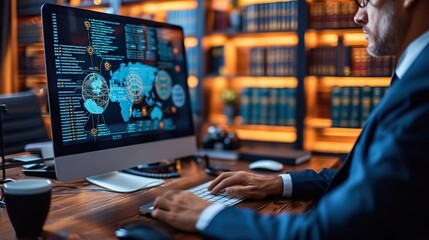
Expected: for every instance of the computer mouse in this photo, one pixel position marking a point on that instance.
(266, 164)
(140, 231)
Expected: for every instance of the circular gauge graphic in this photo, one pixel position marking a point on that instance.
(87, 25)
(95, 93)
(94, 132)
(163, 84)
(90, 50)
(107, 66)
(178, 95)
(134, 85)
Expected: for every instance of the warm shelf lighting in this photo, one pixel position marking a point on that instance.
(315, 38)
(318, 122)
(355, 39)
(214, 40)
(267, 39)
(341, 132)
(289, 82)
(267, 135)
(220, 4)
(75, 2)
(97, 2)
(331, 147)
(192, 81)
(214, 83)
(154, 7)
(191, 42)
(355, 81)
(249, 2)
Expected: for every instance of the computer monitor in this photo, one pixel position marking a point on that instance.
(117, 88)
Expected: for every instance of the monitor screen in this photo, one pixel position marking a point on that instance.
(118, 94)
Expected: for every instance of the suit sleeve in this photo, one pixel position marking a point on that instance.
(309, 184)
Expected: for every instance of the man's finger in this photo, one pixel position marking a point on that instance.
(221, 177)
(227, 182)
(160, 214)
(163, 203)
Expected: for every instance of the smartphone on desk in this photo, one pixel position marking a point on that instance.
(42, 170)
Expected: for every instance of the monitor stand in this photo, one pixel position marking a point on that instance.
(123, 182)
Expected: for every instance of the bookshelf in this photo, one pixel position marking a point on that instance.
(330, 54)
(283, 54)
(260, 66)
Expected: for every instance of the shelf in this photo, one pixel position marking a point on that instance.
(331, 147)
(252, 39)
(251, 81)
(280, 134)
(322, 138)
(330, 81)
(329, 37)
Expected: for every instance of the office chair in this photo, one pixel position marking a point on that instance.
(23, 122)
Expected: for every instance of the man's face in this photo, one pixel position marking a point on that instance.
(382, 26)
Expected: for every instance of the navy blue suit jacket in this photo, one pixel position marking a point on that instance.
(380, 192)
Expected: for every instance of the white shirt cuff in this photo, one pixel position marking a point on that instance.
(207, 215)
(287, 185)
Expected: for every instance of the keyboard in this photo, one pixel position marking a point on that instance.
(202, 192)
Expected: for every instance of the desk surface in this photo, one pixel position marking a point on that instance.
(80, 210)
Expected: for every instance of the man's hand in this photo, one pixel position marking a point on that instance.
(247, 185)
(180, 209)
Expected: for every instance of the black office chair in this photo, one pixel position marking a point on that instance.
(23, 122)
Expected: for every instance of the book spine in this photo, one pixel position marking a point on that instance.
(245, 105)
(376, 96)
(272, 107)
(366, 103)
(264, 99)
(282, 106)
(336, 94)
(254, 106)
(345, 107)
(291, 106)
(355, 115)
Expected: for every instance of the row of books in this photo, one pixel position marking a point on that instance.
(30, 30)
(270, 17)
(348, 61)
(272, 61)
(268, 106)
(31, 7)
(186, 18)
(31, 61)
(351, 105)
(217, 21)
(332, 14)
(216, 61)
(365, 65)
(262, 61)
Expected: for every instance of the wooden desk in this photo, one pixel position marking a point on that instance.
(80, 210)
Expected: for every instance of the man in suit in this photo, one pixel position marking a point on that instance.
(379, 192)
